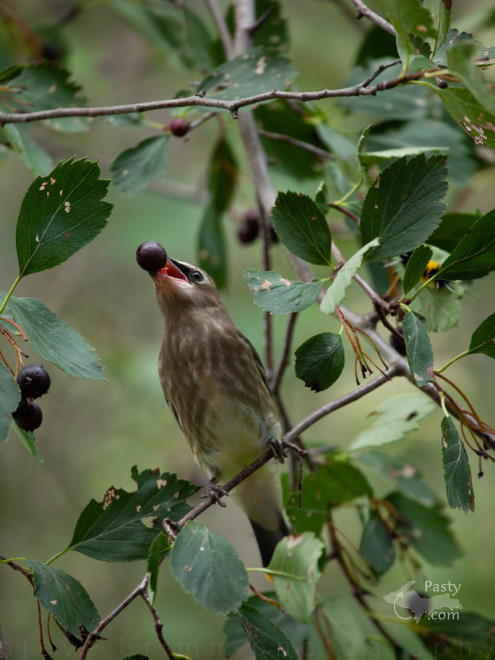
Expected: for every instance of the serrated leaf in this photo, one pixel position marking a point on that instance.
(336, 291)
(452, 229)
(60, 214)
(413, 23)
(457, 473)
(273, 293)
(320, 360)
(135, 168)
(368, 158)
(460, 59)
(267, 641)
(427, 529)
(298, 557)
(159, 547)
(32, 155)
(113, 529)
(400, 103)
(483, 338)
(65, 598)
(325, 487)
(274, 30)
(441, 306)
(477, 123)
(302, 227)
(10, 395)
(350, 628)
(401, 474)
(418, 348)
(416, 266)
(235, 633)
(376, 545)
(209, 568)
(53, 339)
(474, 255)
(45, 87)
(471, 630)
(256, 71)
(403, 207)
(396, 417)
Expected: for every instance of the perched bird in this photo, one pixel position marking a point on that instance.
(214, 382)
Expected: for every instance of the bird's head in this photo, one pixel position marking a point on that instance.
(182, 287)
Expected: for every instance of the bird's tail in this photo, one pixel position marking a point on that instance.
(267, 539)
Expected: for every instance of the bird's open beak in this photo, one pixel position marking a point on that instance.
(171, 271)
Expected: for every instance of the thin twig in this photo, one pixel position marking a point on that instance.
(361, 89)
(158, 625)
(201, 120)
(223, 30)
(281, 137)
(345, 211)
(284, 359)
(364, 10)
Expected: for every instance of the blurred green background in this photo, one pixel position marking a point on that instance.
(94, 432)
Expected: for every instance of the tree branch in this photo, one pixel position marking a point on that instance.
(316, 151)
(284, 360)
(223, 30)
(158, 625)
(361, 89)
(364, 10)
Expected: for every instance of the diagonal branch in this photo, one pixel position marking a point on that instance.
(364, 10)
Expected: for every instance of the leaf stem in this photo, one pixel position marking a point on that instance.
(56, 556)
(9, 293)
(454, 359)
(423, 286)
(291, 576)
(9, 560)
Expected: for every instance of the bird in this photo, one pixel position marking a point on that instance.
(215, 384)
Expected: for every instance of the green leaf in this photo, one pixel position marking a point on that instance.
(33, 156)
(460, 59)
(416, 266)
(235, 633)
(298, 557)
(403, 207)
(209, 568)
(212, 251)
(45, 87)
(10, 395)
(418, 348)
(401, 474)
(350, 628)
(474, 255)
(60, 214)
(126, 120)
(411, 19)
(376, 545)
(457, 473)
(302, 227)
(159, 547)
(470, 631)
(405, 102)
(320, 360)
(483, 339)
(440, 305)
(336, 292)
(368, 158)
(273, 293)
(28, 440)
(478, 123)
(274, 30)
(256, 71)
(266, 640)
(53, 339)
(65, 598)
(452, 229)
(325, 487)
(113, 529)
(427, 530)
(396, 417)
(135, 168)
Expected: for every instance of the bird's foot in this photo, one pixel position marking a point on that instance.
(299, 451)
(171, 528)
(215, 492)
(278, 448)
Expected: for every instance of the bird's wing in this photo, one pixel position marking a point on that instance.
(257, 359)
(174, 410)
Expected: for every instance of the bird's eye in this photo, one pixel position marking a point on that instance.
(196, 276)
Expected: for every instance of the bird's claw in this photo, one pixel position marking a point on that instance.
(215, 492)
(278, 448)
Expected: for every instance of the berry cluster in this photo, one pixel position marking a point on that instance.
(33, 381)
(151, 256)
(249, 228)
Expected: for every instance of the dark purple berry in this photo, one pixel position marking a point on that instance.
(33, 380)
(51, 52)
(249, 228)
(398, 343)
(151, 256)
(179, 127)
(28, 415)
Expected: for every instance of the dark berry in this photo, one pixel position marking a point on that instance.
(51, 52)
(398, 343)
(151, 256)
(249, 228)
(28, 415)
(33, 380)
(179, 127)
